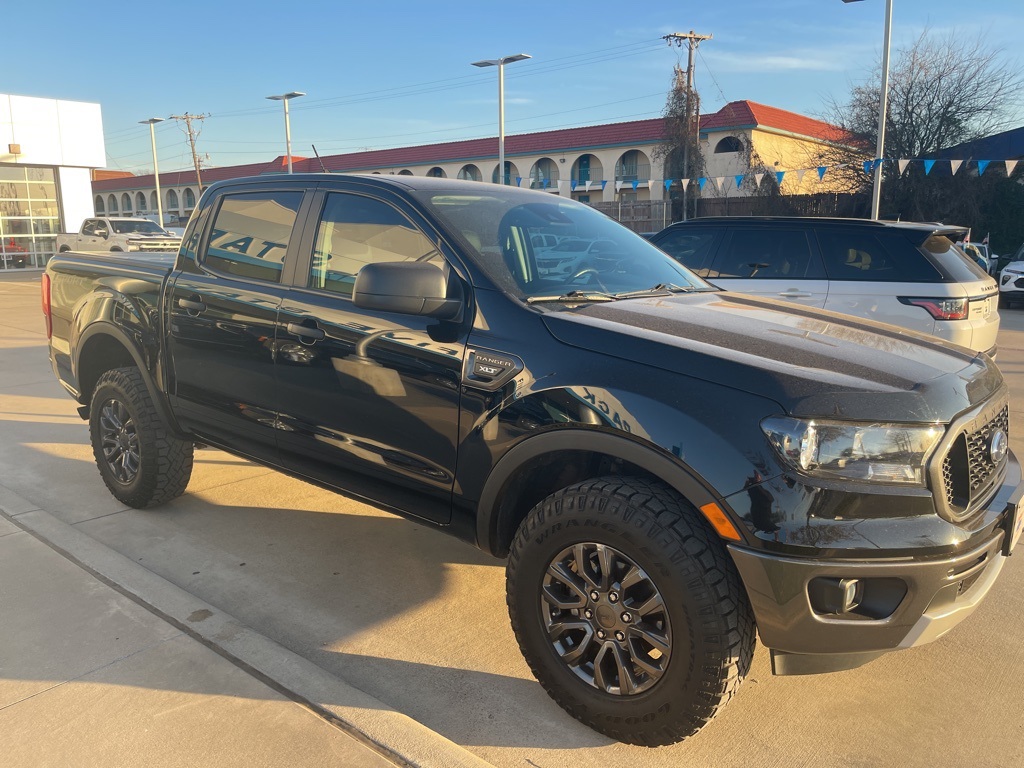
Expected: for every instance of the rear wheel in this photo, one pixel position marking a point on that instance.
(141, 462)
(628, 610)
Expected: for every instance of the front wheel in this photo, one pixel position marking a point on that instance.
(628, 610)
(141, 462)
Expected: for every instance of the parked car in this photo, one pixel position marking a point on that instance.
(572, 256)
(14, 256)
(906, 274)
(118, 234)
(671, 470)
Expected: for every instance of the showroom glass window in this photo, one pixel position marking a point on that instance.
(29, 216)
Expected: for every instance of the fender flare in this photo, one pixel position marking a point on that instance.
(675, 474)
(106, 328)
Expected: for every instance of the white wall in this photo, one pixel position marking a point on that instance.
(51, 132)
(75, 196)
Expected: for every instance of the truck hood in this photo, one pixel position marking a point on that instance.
(814, 363)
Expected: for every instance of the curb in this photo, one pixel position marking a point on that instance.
(395, 736)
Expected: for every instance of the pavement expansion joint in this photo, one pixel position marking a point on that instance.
(393, 735)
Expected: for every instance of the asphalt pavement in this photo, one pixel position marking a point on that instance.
(258, 620)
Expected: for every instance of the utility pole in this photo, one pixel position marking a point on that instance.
(192, 134)
(692, 40)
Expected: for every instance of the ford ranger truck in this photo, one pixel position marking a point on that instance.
(669, 469)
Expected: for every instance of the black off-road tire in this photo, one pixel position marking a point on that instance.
(140, 461)
(656, 532)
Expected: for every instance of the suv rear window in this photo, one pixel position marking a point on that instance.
(952, 260)
(888, 257)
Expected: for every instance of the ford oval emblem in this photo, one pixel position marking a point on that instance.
(997, 446)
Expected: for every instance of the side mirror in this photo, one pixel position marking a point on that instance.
(101, 233)
(411, 288)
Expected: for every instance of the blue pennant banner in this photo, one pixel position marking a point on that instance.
(928, 165)
(821, 171)
(779, 176)
(519, 181)
(982, 165)
(868, 167)
(702, 181)
(603, 183)
(739, 179)
(635, 184)
(572, 184)
(668, 183)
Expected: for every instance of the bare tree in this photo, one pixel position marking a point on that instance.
(943, 91)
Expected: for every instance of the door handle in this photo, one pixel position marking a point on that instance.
(793, 293)
(192, 305)
(306, 332)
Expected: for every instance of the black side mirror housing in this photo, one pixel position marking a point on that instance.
(411, 288)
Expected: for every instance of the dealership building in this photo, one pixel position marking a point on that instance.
(48, 151)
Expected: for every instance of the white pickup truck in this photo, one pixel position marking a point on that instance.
(119, 234)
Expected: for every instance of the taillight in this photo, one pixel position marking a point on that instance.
(45, 288)
(941, 309)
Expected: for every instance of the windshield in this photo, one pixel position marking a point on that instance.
(595, 253)
(136, 227)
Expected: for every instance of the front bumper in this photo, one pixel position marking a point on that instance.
(807, 615)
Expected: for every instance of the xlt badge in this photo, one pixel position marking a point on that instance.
(490, 370)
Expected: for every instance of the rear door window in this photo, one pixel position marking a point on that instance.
(691, 247)
(767, 253)
(250, 233)
(869, 257)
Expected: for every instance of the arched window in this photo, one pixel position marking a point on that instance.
(544, 170)
(152, 200)
(587, 168)
(140, 201)
(99, 205)
(437, 173)
(172, 199)
(190, 198)
(126, 202)
(511, 173)
(633, 166)
(470, 173)
(405, 172)
(111, 203)
(728, 144)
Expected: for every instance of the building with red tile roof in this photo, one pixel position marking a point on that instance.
(615, 161)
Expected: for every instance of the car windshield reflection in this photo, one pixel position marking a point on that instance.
(538, 245)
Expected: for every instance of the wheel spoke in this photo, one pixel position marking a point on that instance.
(624, 666)
(653, 604)
(571, 582)
(580, 554)
(633, 577)
(656, 639)
(604, 557)
(573, 654)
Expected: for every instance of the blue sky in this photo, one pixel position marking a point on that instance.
(397, 73)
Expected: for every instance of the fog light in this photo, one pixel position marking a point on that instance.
(834, 596)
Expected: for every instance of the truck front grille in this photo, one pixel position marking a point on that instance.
(968, 472)
(159, 245)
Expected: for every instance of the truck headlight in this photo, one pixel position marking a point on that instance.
(880, 453)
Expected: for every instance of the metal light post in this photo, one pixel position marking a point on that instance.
(876, 191)
(500, 64)
(286, 97)
(156, 167)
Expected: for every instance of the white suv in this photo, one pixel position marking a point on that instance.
(1011, 280)
(905, 274)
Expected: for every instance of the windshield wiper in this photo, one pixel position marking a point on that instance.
(573, 296)
(660, 288)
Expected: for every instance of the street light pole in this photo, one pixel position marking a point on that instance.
(883, 100)
(286, 97)
(156, 167)
(500, 64)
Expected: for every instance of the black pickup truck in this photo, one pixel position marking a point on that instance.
(666, 466)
